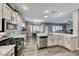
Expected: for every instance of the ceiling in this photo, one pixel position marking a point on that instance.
(56, 12)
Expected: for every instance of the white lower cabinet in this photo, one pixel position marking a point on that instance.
(51, 40)
(11, 53)
(61, 40)
(55, 40)
(65, 41)
(71, 43)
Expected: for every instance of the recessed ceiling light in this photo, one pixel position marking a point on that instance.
(37, 21)
(60, 13)
(45, 16)
(46, 11)
(25, 8)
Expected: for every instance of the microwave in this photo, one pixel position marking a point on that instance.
(8, 25)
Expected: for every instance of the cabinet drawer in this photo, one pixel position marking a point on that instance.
(14, 17)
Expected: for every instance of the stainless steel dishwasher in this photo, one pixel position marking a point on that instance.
(42, 42)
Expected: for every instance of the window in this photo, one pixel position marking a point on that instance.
(53, 28)
(41, 28)
(37, 28)
(46, 29)
(34, 28)
(56, 28)
(31, 28)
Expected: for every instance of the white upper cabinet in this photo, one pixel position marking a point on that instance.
(14, 17)
(6, 12)
(19, 22)
(0, 17)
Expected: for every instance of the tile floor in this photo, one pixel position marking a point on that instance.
(31, 50)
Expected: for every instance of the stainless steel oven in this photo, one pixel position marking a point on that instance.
(19, 42)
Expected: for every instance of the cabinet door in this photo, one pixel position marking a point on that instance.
(56, 39)
(6, 12)
(0, 17)
(50, 40)
(14, 19)
(19, 22)
(74, 43)
(67, 42)
(61, 40)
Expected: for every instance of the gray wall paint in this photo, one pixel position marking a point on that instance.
(48, 27)
(68, 27)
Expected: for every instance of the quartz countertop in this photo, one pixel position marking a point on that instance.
(19, 36)
(4, 50)
(42, 34)
(63, 34)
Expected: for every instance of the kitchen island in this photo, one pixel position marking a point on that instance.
(68, 41)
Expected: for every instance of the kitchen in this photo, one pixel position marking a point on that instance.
(24, 31)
